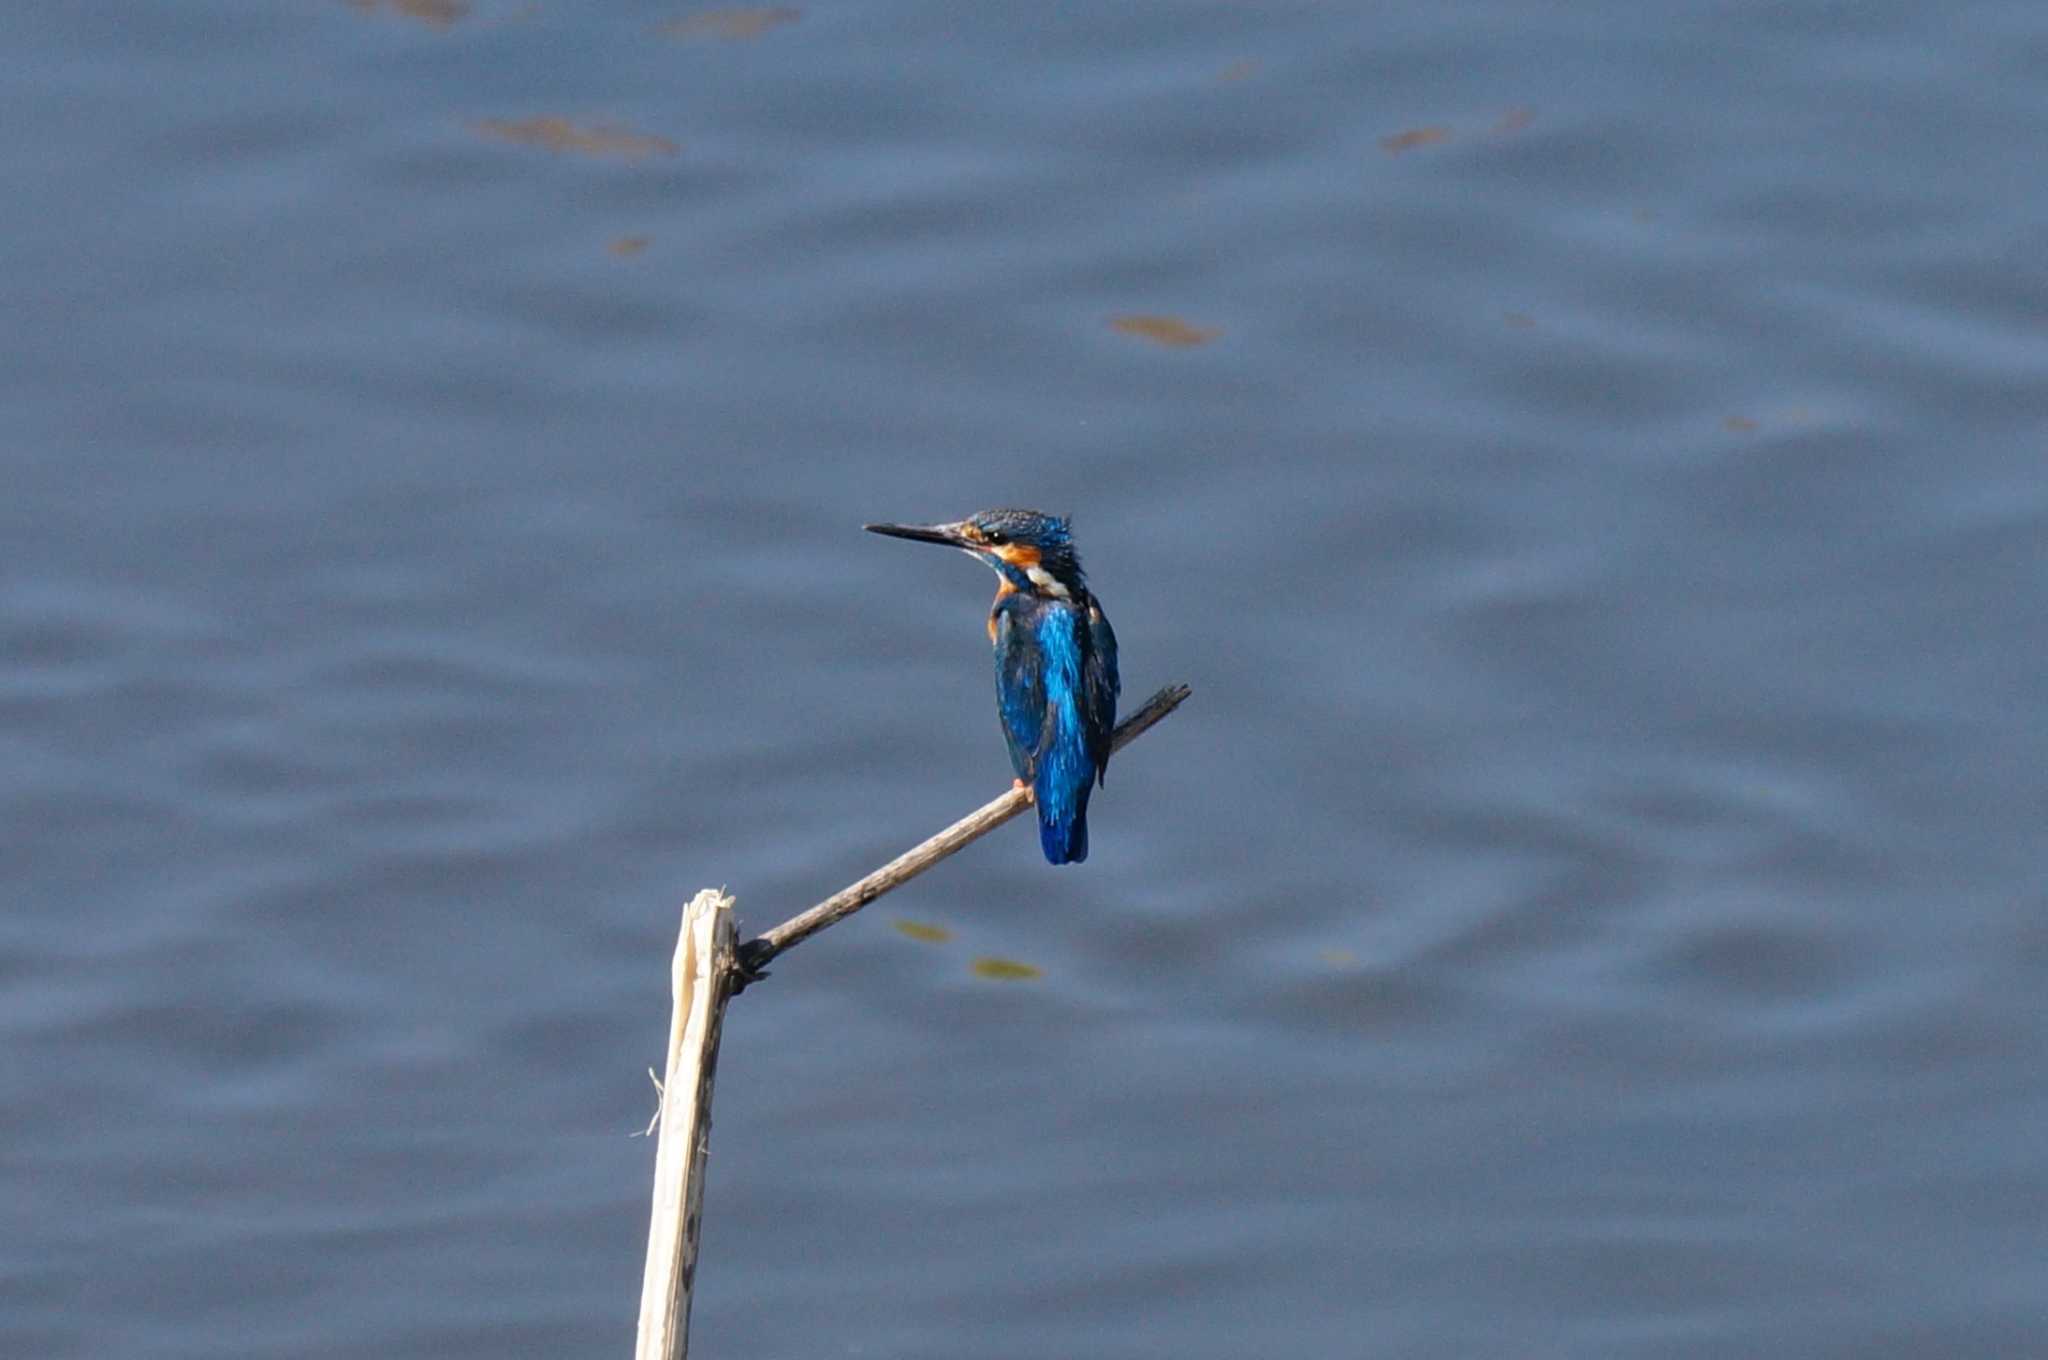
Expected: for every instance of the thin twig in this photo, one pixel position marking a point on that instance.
(755, 954)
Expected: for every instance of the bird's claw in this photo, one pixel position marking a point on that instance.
(750, 963)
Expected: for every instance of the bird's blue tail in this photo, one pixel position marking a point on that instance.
(1066, 776)
(1065, 839)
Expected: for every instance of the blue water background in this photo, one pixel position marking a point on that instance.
(1587, 459)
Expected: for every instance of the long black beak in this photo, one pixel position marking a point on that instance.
(947, 534)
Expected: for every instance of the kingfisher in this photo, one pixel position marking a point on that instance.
(1056, 682)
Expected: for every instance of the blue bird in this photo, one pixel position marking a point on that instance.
(1056, 683)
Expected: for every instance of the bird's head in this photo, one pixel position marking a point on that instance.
(1032, 552)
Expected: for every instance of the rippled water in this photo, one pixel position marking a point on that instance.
(1588, 464)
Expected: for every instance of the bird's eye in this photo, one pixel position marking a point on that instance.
(995, 538)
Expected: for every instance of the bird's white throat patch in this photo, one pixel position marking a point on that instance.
(1045, 581)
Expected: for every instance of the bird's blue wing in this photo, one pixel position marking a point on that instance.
(1056, 687)
(1020, 690)
(1099, 687)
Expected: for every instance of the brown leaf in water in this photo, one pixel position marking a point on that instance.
(439, 13)
(1164, 330)
(559, 135)
(1739, 424)
(628, 245)
(733, 25)
(1414, 137)
(1239, 71)
(1514, 120)
(1521, 321)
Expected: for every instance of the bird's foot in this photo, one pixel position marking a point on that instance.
(1016, 784)
(750, 962)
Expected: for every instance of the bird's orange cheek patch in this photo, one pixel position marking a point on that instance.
(1019, 555)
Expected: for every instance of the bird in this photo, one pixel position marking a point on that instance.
(1055, 654)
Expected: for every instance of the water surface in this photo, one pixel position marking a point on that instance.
(1587, 464)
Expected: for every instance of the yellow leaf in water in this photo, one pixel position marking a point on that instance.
(1414, 137)
(917, 930)
(1005, 970)
(559, 134)
(1739, 424)
(628, 245)
(732, 24)
(1164, 330)
(1337, 958)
